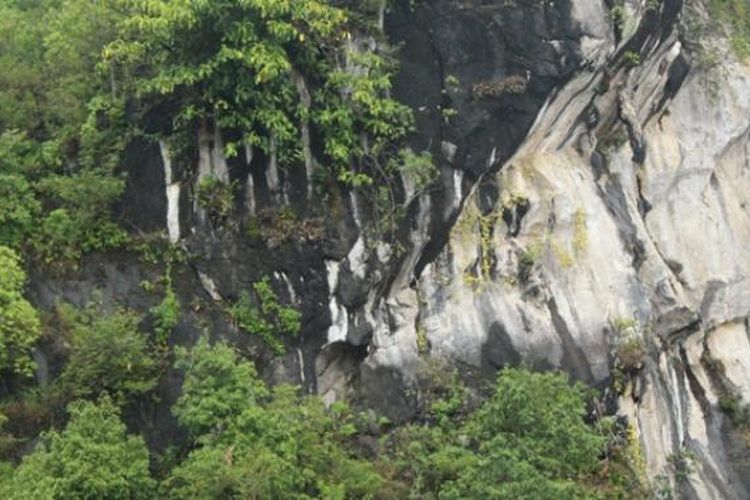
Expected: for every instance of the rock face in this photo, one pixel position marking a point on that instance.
(661, 246)
(621, 220)
(591, 215)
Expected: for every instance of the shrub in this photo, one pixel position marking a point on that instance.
(270, 321)
(167, 313)
(108, 355)
(215, 197)
(419, 168)
(730, 402)
(80, 223)
(629, 347)
(19, 322)
(631, 58)
(64, 236)
(630, 354)
(279, 226)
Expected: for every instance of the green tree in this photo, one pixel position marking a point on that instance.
(296, 67)
(527, 440)
(19, 322)
(93, 457)
(108, 355)
(256, 443)
(218, 386)
(62, 129)
(540, 415)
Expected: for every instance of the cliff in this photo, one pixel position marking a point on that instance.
(590, 215)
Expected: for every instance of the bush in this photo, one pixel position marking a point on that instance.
(108, 355)
(631, 58)
(279, 226)
(527, 440)
(80, 224)
(271, 321)
(731, 404)
(418, 168)
(630, 354)
(19, 322)
(215, 197)
(167, 313)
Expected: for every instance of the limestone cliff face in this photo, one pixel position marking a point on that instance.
(620, 222)
(591, 215)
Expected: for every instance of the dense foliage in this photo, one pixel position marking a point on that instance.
(252, 442)
(270, 320)
(61, 133)
(93, 457)
(108, 355)
(192, 52)
(527, 440)
(19, 322)
(302, 80)
(531, 434)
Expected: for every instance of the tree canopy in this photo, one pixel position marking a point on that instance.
(261, 68)
(94, 457)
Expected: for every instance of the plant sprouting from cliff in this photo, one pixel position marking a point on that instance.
(416, 171)
(167, 313)
(451, 82)
(216, 198)
(681, 463)
(631, 58)
(269, 319)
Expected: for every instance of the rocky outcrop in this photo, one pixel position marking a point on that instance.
(622, 217)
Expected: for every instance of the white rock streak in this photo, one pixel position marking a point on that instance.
(339, 317)
(173, 195)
